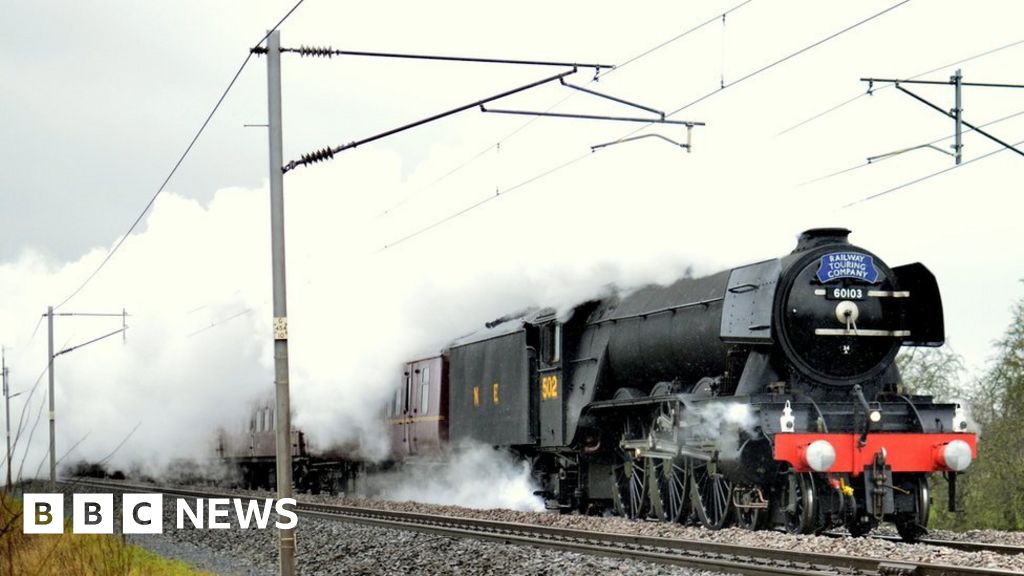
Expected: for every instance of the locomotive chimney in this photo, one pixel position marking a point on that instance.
(820, 236)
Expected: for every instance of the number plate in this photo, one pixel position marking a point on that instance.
(845, 293)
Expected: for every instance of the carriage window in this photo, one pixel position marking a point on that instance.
(424, 394)
(551, 343)
(397, 408)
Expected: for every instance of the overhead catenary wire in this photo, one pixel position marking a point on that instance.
(26, 406)
(181, 159)
(329, 52)
(67, 453)
(928, 176)
(771, 65)
(121, 444)
(790, 56)
(219, 322)
(909, 148)
(915, 76)
(24, 348)
(718, 16)
(26, 401)
(574, 160)
(487, 199)
(680, 36)
(32, 433)
(328, 153)
(959, 119)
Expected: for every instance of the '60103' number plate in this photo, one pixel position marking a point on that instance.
(845, 293)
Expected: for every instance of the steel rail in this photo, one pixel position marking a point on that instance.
(681, 552)
(964, 545)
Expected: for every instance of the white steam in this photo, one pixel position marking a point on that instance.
(720, 423)
(964, 406)
(473, 476)
(195, 281)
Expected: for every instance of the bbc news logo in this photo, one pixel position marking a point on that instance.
(143, 513)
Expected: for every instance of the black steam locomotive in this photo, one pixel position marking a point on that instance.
(766, 395)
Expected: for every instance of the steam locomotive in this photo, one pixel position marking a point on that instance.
(766, 395)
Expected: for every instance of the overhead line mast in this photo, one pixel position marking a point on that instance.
(52, 355)
(956, 81)
(273, 50)
(283, 466)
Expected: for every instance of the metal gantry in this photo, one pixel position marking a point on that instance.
(273, 51)
(956, 114)
(329, 152)
(52, 355)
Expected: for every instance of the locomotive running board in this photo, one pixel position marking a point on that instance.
(661, 449)
(640, 401)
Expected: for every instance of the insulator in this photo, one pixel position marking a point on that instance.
(318, 156)
(318, 51)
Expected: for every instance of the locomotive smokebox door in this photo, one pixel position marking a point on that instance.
(549, 382)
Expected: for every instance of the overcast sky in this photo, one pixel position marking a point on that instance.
(100, 98)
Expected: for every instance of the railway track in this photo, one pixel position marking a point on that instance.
(966, 546)
(704, 555)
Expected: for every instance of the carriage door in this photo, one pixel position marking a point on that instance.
(407, 405)
(549, 372)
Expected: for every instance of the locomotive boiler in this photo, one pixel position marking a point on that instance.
(766, 395)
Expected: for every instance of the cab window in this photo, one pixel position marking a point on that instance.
(551, 343)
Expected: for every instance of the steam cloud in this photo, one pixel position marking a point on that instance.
(721, 422)
(473, 476)
(195, 281)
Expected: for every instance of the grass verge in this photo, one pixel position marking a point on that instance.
(75, 554)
